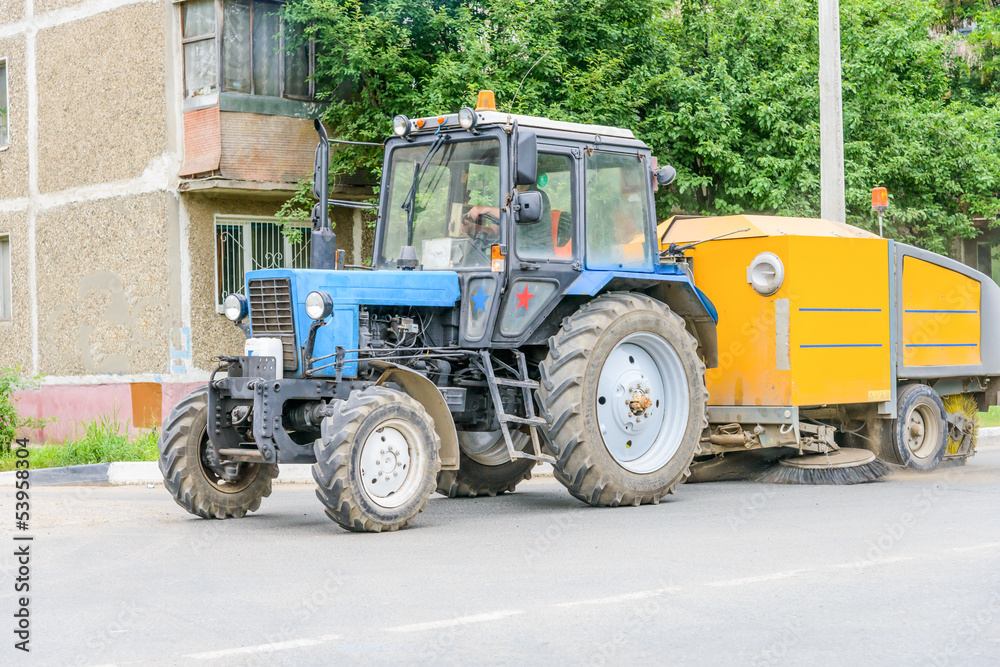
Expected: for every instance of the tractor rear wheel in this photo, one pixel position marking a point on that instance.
(197, 483)
(376, 460)
(623, 390)
(485, 469)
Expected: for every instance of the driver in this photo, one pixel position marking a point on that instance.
(534, 238)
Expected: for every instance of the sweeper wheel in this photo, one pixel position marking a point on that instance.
(844, 466)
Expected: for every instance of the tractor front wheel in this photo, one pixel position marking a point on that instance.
(623, 390)
(198, 483)
(377, 460)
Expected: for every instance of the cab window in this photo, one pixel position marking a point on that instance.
(617, 212)
(551, 238)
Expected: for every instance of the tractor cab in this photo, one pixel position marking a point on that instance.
(524, 210)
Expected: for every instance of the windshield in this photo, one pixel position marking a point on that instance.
(456, 206)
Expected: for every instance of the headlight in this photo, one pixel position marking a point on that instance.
(467, 118)
(401, 125)
(235, 307)
(766, 273)
(318, 305)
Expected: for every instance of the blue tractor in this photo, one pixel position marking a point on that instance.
(518, 309)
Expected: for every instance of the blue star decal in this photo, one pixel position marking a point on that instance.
(479, 300)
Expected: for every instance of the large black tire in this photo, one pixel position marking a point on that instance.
(920, 430)
(474, 479)
(191, 481)
(338, 469)
(570, 376)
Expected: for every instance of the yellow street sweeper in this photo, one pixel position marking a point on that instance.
(842, 347)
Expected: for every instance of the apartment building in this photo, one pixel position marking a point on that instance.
(145, 148)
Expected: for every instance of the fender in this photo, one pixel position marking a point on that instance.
(673, 286)
(426, 393)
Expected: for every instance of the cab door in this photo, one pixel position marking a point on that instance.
(543, 257)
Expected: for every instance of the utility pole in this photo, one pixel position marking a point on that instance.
(831, 121)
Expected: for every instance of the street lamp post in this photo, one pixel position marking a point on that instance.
(831, 122)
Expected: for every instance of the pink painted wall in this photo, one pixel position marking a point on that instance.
(73, 405)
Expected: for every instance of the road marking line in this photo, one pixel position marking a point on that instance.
(638, 595)
(994, 545)
(262, 648)
(876, 561)
(462, 620)
(755, 580)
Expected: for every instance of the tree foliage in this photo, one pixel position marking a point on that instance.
(725, 90)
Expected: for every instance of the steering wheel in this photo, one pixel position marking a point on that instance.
(481, 222)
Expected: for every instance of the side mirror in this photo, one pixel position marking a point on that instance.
(527, 158)
(529, 207)
(666, 175)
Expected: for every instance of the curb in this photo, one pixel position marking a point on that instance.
(989, 437)
(148, 472)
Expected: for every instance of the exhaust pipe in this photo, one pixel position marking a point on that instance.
(323, 244)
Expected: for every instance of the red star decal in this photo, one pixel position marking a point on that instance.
(523, 298)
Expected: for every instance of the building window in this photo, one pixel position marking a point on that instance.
(253, 58)
(198, 36)
(4, 115)
(250, 244)
(5, 278)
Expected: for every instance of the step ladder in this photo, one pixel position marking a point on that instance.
(530, 419)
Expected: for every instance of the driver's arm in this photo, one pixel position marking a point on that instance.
(470, 221)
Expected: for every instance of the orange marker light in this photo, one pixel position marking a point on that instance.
(419, 122)
(497, 260)
(486, 101)
(880, 199)
(441, 120)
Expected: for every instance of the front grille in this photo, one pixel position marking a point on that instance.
(271, 315)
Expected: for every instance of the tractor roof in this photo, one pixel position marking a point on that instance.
(687, 229)
(430, 124)
(497, 117)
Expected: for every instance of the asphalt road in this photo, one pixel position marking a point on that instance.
(906, 571)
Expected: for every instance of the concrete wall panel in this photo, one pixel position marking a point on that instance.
(14, 158)
(101, 97)
(11, 11)
(42, 6)
(104, 299)
(15, 334)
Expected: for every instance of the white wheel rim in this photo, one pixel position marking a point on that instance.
(390, 463)
(643, 402)
(922, 434)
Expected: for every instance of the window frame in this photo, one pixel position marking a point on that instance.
(385, 196)
(652, 241)
(220, 49)
(246, 222)
(575, 209)
(217, 35)
(4, 62)
(6, 279)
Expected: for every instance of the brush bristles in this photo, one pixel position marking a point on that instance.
(869, 472)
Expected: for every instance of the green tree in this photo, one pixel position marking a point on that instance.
(12, 380)
(725, 90)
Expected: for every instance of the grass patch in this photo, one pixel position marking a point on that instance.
(991, 418)
(105, 441)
